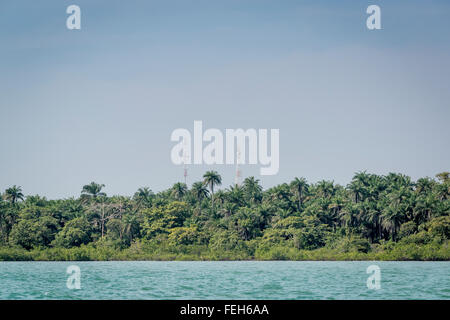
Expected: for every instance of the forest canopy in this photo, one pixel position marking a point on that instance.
(378, 217)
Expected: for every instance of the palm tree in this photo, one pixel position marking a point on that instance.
(236, 195)
(220, 197)
(325, 188)
(358, 185)
(212, 178)
(424, 207)
(93, 190)
(229, 208)
(443, 188)
(392, 220)
(373, 218)
(252, 189)
(199, 191)
(424, 185)
(143, 196)
(336, 205)
(443, 176)
(130, 227)
(283, 213)
(348, 216)
(300, 186)
(144, 192)
(280, 192)
(14, 194)
(179, 190)
(394, 214)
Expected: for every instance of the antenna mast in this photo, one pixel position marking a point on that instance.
(237, 179)
(185, 157)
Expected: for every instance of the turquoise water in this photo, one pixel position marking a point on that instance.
(225, 280)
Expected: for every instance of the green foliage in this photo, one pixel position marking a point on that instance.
(75, 233)
(312, 235)
(159, 220)
(440, 227)
(226, 240)
(185, 236)
(374, 217)
(407, 229)
(353, 243)
(34, 232)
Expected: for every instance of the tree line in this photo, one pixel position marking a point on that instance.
(374, 216)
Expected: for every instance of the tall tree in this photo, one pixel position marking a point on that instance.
(252, 190)
(199, 191)
(395, 213)
(14, 194)
(212, 179)
(93, 190)
(300, 187)
(179, 190)
(143, 196)
(325, 188)
(358, 185)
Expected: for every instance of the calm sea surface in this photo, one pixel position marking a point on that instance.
(225, 280)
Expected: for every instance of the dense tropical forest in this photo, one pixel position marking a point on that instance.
(373, 217)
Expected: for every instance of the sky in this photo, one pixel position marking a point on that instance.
(100, 103)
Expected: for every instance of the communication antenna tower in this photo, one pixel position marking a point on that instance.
(237, 179)
(185, 157)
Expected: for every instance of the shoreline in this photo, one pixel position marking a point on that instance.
(224, 260)
(89, 253)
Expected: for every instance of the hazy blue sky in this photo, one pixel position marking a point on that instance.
(99, 104)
